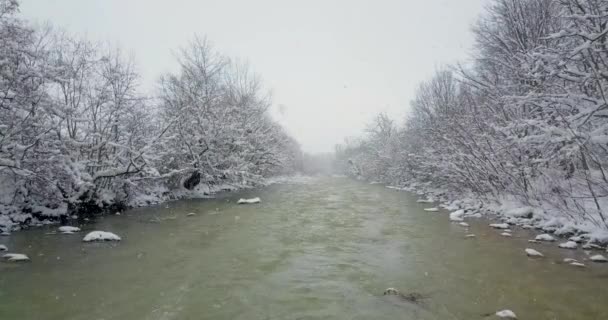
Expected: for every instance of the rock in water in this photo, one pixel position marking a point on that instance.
(568, 245)
(598, 258)
(470, 236)
(3, 247)
(533, 253)
(544, 237)
(68, 229)
(464, 224)
(506, 234)
(506, 314)
(15, 257)
(431, 209)
(456, 216)
(249, 201)
(100, 236)
(191, 214)
(499, 225)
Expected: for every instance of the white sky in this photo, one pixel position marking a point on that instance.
(332, 65)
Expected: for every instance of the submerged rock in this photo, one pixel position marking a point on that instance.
(100, 236)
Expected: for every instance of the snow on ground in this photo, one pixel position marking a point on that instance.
(568, 245)
(100, 236)
(68, 229)
(15, 257)
(506, 314)
(431, 209)
(249, 201)
(533, 253)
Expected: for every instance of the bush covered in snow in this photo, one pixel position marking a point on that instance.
(78, 136)
(526, 122)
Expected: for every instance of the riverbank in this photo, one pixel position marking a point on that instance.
(513, 212)
(14, 219)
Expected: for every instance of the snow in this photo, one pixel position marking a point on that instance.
(568, 245)
(431, 209)
(457, 215)
(506, 234)
(464, 224)
(598, 258)
(100, 236)
(544, 237)
(16, 257)
(425, 200)
(3, 248)
(507, 314)
(521, 212)
(568, 260)
(249, 201)
(68, 229)
(533, 253)
(499, 225)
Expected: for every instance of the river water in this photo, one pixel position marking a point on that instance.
(319, 248)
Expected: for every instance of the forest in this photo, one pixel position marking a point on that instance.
(78, 136)
(524, 122)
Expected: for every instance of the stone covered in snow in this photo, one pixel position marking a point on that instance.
(506, 234)
(15, 257)
(100, 236)
(577, 264)
(499, 225)
(464, 224)
(68, 229)
(190, 214)
(457, 215)
(470, 236)
(431, 209)
(544, 237)
(3, 247)
(506, 314)
(533, 253)
(598, 258)
(425, 201)
(568, 245)
(249, 201)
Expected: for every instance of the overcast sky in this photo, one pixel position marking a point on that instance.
(331, 64)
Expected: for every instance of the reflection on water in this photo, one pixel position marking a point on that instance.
(325, 249)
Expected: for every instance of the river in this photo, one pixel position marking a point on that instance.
(319, 248)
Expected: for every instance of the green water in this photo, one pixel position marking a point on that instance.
(325, 249)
